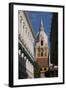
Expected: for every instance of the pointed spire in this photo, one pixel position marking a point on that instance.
(41, 22)
(42, 26)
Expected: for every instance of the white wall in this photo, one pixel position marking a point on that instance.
(4, 45)
(29, 69)
(24, 35)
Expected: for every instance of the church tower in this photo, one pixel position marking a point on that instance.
(41, 50)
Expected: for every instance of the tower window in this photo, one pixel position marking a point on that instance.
(45, 53)
(41, 42)
(41, 53)
(38, 50)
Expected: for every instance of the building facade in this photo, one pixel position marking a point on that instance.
(41, 50)
(26, 39)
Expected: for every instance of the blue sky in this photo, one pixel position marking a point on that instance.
(35, 18)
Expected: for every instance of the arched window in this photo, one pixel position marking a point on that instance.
(45, 53)
(41, 51)
(41, 42)
(38, 49)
